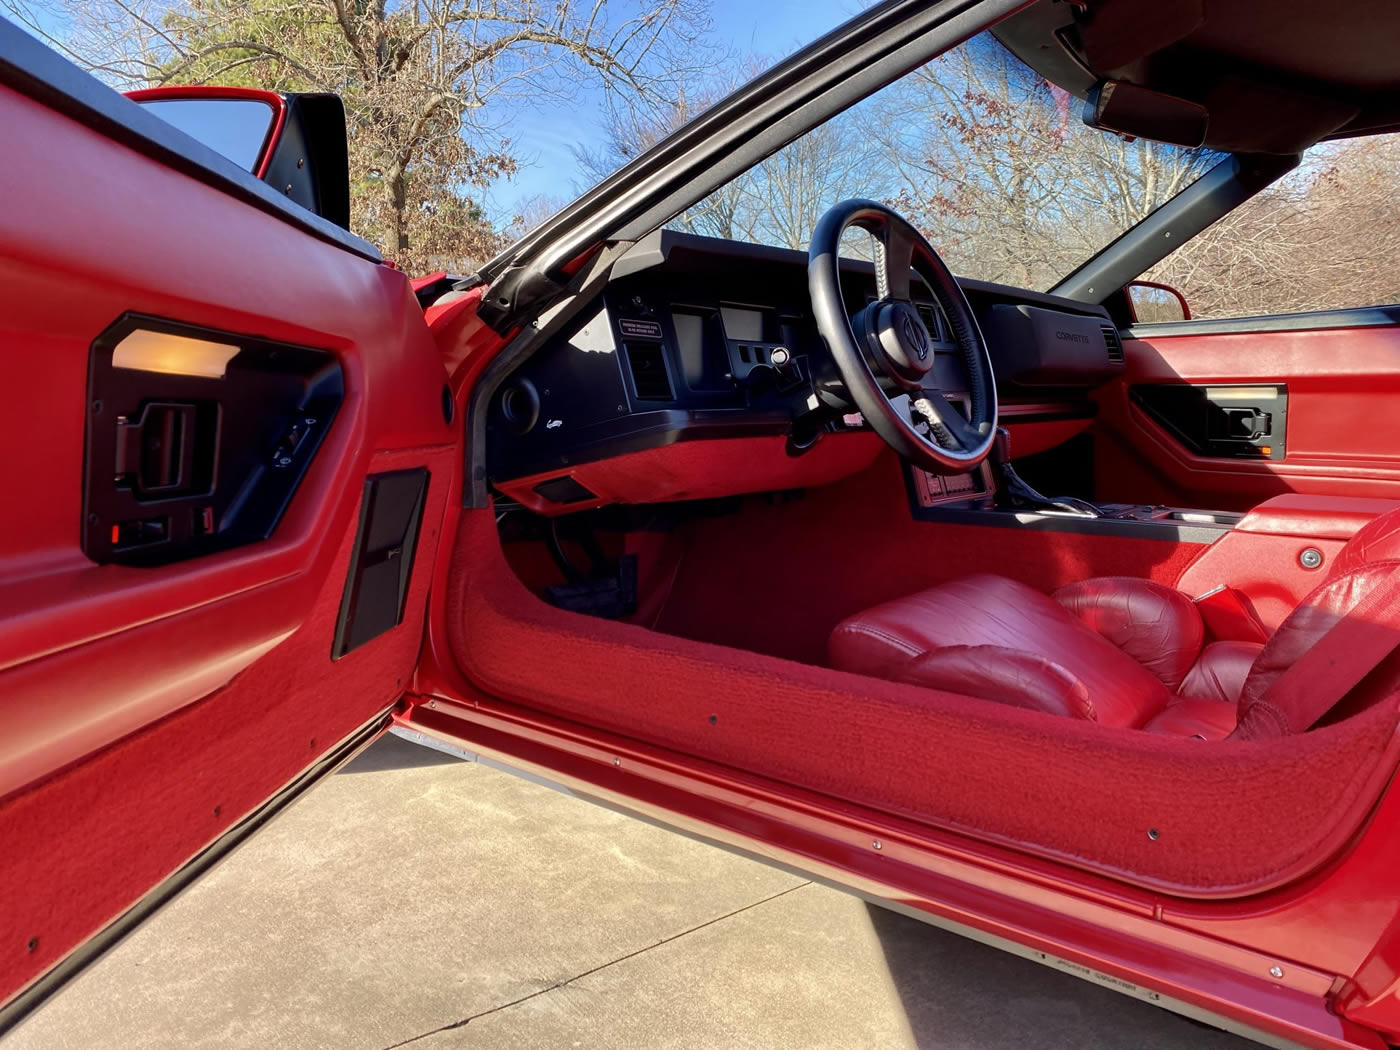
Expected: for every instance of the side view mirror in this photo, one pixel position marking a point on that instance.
(295, 142)
(1151, 302)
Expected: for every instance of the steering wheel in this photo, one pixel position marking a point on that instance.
(885, 354)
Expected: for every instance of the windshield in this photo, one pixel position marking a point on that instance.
(987, 158)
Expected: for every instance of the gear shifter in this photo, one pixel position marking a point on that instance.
(1014, 493)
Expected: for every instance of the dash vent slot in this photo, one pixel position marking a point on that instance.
(1114, 344)
(930, 319)
(650, 380)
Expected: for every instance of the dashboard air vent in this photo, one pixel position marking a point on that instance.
(648, 367)
(1114, 344)
(930, 319)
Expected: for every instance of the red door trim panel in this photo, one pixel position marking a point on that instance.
(144, 712)
(89, 840)
(40, 991)
(89, 653)
(1343, 396)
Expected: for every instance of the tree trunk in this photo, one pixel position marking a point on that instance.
(398, 208)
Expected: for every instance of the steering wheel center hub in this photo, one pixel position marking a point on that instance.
(898, 335)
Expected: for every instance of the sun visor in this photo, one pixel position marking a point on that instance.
(1116, 35)
(1295, 120)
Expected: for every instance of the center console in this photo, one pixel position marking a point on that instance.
(1257, 567)
(971, 499)
(995, 494)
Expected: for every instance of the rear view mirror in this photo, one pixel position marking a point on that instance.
(1117, 106)
(294, 142)
(1151, 302)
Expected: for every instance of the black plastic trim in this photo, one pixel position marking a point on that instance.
(973, 514)
(1201, 417)
(90, 951)
(35, 70)
(259, 426)
(1355, 317)
(310, 160)
(564, 490)
(381, 566)
(661, 247)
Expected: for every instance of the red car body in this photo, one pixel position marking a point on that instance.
(153, 716)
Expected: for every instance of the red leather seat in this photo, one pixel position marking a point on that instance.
(1123, 651)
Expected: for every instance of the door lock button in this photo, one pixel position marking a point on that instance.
(140, 532)
(292, 439)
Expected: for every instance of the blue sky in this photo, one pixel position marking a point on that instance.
(545, 137)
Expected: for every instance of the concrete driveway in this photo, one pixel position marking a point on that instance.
(416, 900)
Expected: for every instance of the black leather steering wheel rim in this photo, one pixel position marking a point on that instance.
(887, 340)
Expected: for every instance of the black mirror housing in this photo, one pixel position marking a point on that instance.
(309, 159)
(1127, 109)
(298, 146)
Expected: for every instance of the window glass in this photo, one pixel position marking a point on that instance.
(235, 127)
(1324, 237)
(992, 162)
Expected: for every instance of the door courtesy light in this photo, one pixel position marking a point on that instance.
(176, 355)
(1240, 393)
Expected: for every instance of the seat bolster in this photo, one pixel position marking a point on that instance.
(1008, 676)
(874, 645)
(1198, 719)
(1004, 616)
(1377, 541)
(1221, 671)
(1157, 626)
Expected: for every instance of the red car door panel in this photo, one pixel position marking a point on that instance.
(1343, 387)
(146, 711)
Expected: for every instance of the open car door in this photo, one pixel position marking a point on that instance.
(228, 458)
